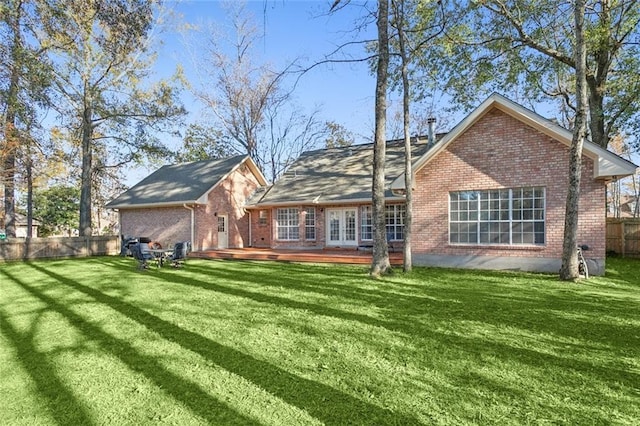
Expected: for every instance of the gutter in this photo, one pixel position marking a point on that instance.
(151, 205)
(319, 204)
(193, 221)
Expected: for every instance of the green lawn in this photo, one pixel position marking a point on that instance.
(94, 341)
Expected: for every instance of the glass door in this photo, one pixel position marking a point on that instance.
(342, 229)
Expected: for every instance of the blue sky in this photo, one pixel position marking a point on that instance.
(293, 29)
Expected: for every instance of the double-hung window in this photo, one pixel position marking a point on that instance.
(310, 223)
(262, 217)
(288, 224)
(366, 223)
(503, 216)
(394, 220)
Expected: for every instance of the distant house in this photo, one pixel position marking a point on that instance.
(626, 207)
(489, 194)
(202, 202)
(21, 225)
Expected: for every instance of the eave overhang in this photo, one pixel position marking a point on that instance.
(607, 165)
(313, 202)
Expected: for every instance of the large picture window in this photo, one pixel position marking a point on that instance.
(502, 216)
(288, 224)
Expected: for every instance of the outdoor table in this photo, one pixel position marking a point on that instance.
(160, 255)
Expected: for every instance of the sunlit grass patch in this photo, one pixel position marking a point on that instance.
(94, 341)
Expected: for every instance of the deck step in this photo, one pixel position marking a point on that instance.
(313, 256)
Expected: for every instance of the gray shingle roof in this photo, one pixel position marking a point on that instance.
(177, 184)
(335, 175)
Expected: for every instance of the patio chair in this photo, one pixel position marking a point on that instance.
(180, 251)
(141, 256)
(125, 245)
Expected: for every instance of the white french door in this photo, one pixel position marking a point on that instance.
(342, 229)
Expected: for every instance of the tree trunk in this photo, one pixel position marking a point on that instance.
(597, 124)
(87, 172)
(569, 269)
(408, 173)
(29, 172)
(11, 138)
(380, 262)
(9, 177)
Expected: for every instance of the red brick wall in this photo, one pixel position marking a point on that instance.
(270, 233)
(260, 233)
(266, 235)
(501, 152)
(228, 198)
(173, 224)
(164, 225)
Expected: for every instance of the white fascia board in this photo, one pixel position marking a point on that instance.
(153, 205)
(607, 164)
(323, 203)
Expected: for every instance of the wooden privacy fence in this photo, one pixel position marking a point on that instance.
(39, 248)
(623, 236)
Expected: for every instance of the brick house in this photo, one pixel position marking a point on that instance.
(489, 194)
(201, 202)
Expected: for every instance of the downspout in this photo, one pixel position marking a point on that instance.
(193, 220)
(120, 234)
(250, 237)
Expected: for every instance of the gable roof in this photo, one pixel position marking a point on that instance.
(607, 165)
(178, 184)
(335, 175)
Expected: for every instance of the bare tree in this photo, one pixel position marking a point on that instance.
(251, 102)
(288, 135)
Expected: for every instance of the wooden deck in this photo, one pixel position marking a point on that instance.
(313, 256)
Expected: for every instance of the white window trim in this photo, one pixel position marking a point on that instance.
(363, 216)
(290, 210)
(397, 216)
(511, 220)
(307, 226)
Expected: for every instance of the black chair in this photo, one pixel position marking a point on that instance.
(180, 251)
(125, 245)
(140, 256)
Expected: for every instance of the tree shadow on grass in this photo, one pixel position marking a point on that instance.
(189, 394)
(478, 304)
(482, 309)
(323, 402)
(61, 403)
